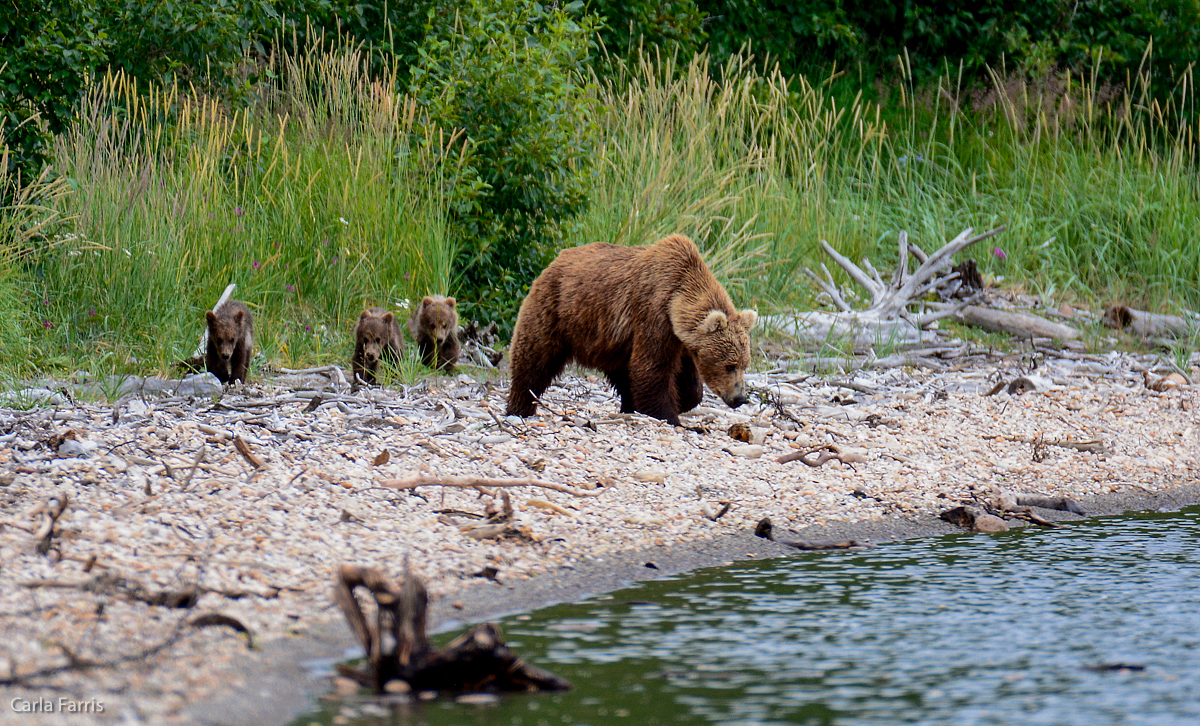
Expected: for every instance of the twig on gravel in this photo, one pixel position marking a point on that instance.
(773, 399)
(187, 481)
(829, 452)
(51, 508)
(1096, 446)
(244, 449)
(471, 482)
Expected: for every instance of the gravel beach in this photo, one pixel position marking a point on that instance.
(244, 504)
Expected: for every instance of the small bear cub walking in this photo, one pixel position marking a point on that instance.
(230, 338)
(434, 325)
(376, 337)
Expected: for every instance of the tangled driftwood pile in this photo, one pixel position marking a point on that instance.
(898, 316)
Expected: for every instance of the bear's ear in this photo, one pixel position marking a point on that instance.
(451, 301)
(427, 301)
(388, 318)
(239, 317)
(715, 322)
(210, 316)
(365, 314)
(749, 318)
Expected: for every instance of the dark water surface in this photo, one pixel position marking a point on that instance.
(963, 629)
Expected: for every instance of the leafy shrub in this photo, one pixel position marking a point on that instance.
(510, 76)
(1038, 37)
(671, 27)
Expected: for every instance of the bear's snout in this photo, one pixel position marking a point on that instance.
(737, 400)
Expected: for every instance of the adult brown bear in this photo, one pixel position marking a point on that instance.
(653, 319)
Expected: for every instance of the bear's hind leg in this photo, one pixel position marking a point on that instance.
(620, 381)
(532, 373)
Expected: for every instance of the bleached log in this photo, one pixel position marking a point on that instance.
(1021, 325)
(1148, 325)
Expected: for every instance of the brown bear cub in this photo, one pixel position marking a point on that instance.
(230, 338)
(653, 319)
(434, 325)
(376, 337)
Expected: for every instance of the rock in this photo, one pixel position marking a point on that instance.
(345, 686)
(397, 685)
(655, 475)
(989, 523)
(31, 398)
(74, 448)
(747, 451)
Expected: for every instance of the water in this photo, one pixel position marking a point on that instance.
(962, 629)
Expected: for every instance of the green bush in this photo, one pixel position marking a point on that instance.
(510, 76)
(669, 27)
(1035, 37)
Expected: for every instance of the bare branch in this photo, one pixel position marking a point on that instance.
(470, 482)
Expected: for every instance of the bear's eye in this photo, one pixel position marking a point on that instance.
(730, 368)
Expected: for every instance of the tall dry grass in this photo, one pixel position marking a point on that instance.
(325, 195)
(320, 198)
(1097, 184)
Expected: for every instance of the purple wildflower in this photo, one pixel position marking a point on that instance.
(239, 211)
(406, 276)
(91, 312)
(307, 329)
(47, 324)
(290, 288)
(335, 260)
(256, 265)
(999, 253)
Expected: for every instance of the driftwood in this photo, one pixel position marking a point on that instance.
(398, 649)
(1148, 325)
(111, 584)
(766, 530)
(989, 517)
(244, 449)
(1021, 325)
(886, 320)
(51, 508)
(474, 482)
(828, 452)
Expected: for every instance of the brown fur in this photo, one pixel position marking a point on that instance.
(434, 325)
(230, 340)
(653, 319)
(376, 337)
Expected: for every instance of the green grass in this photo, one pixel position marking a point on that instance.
(316, 202)
(325, 197)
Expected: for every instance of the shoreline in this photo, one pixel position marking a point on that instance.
(287, 680)
(162, 494)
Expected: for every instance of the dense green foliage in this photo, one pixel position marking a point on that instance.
(1037, 37)
(326, 155)
(510, 74)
